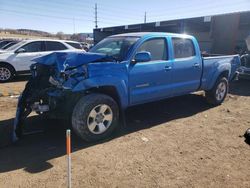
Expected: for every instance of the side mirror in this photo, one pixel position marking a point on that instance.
(20, 50)
(142, 57)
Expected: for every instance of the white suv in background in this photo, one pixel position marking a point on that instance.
(17, 59)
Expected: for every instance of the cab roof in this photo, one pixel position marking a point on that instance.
(149, 34)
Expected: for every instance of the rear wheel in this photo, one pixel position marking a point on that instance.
(219, 92)
(95, 117)
(6, 73)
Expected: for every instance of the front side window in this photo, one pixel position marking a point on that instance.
(16, 46)
(54, 46)
(157, 48)
(33, 47)
(183, 48)
(116, 47)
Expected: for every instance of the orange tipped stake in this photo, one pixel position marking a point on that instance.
(68, 150)
(68, 142)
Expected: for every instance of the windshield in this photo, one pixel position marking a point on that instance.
(116, 47)
(17, 45)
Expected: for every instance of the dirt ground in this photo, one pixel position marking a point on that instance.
(179, 142)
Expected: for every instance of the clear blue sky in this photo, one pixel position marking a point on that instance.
(71, 16)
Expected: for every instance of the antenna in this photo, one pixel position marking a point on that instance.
(145, 17)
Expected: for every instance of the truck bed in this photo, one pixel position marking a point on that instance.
(211, 66)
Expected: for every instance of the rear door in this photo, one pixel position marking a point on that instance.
(51, 46)
(150, 81)
(187, 66)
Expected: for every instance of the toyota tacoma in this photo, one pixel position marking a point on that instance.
(93, 89)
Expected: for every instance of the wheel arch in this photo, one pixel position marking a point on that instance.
(224, 73)
(5, 63)
(107, 90)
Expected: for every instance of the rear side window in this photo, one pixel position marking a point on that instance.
(183, 48)
(54, 46)
(33, 47)
(157, 48)
(75, 45)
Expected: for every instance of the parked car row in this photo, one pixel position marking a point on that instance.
(17, 58)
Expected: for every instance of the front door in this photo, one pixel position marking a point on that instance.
(32, 50)
(150, 81)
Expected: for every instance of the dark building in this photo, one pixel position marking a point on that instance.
(220, 34)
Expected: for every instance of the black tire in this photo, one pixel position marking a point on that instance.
(9, 69)
(211, 95)
(81, 112)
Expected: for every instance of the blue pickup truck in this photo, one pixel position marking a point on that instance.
(93, 89)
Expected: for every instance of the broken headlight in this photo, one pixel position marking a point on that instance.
(76, 72)
(55, 82)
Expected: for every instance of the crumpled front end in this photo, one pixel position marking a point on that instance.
(53, 78)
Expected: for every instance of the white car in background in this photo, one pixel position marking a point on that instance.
(18, 58)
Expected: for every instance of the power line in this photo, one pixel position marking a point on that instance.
(208, 6)
(107, 8)
(48, 16)
(42, 15)
(69, 20)
(41, 8)
(82, 6)
(106, 16)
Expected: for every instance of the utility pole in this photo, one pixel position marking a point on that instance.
(74, 25)
(145, 17)
(96, 26)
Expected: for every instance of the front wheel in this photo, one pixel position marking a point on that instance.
(95, 117)
(219, 92)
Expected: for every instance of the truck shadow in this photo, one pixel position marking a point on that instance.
(240, 87)
(33, 152)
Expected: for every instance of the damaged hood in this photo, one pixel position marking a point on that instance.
(65, 60)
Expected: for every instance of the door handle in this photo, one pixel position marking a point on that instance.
(168, 68)
(196, 65)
